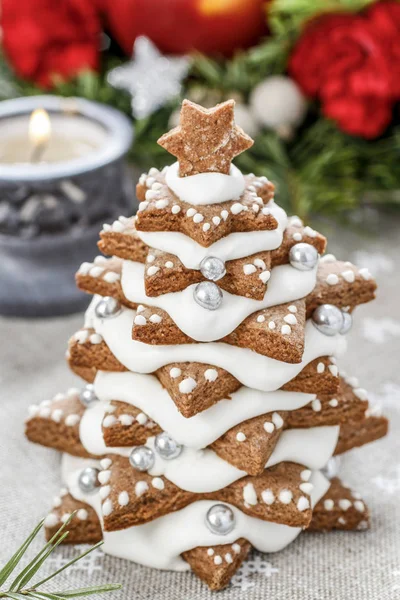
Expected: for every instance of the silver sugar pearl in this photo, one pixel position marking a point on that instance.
(328, 319)
(166, 446)
(347, 323)
(107, 307)
(220, 519)
(332, 467)
(87, 396)
(88, 480)
(212, 268)
(303, 257)
(142, 458)
(208, 295)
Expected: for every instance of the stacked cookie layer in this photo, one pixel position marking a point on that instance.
(213, 399)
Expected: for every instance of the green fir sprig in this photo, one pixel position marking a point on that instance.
(22, 588)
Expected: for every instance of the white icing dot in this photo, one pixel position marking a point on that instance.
(105, 463)
(269, 427)
(109, 421)
(316, 405)
(191, 212)
(358, 505)
(320, 367)
(264, 276)
(285, 496)
(271, 325)
(175, 372)
(175, 209)
(342, 521)
(104, 476)
(217, 559)
(155, 319)
(258, 262)
(240, 436)
(169, 264)
(236, 548)
(96, 271)
(255, 207)
(344, 504)
(216, 220)
(224, 214)
(295, 221)
(310, 232)
(82, 514)
(95, 338)
(150, 181)
(72, 420)
(306, 487)
(292, 308)
(141, 487)
(65, 517)
(57, 414)
(349, 276)
(57, 501)
(333, 370)
(126, 420)
(117, 226)
(187, 385)
(210, 374)
(150, 195)
(361, 393)
(140, 320)
(297, 236)
(266, 211)
(63, 492)
(111, 277)
(365, 274)
(81, 336)
(260, 319)
(328, 258)
(210, 551)
(107, 507)
(141, 418)
(291, 319)
(285, 329)
(109, 408)
(237, 208)
(228, 558)
(143, 205)
(198, 218)
(268, 497)
(104, 492)
(44, 412)
(153, 172)
(123, 498)
(157, 483)
(277, 420)
(151, 258)
(303, 503)
(249, 269)
(106, 227)
(329, 504)
(51, 520)
(305, 474)
(333, 402)
(249, 494)
(332, 279)
(152, 270)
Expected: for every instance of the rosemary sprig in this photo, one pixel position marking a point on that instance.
(19, 588)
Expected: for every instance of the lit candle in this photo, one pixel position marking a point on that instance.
(39, 132)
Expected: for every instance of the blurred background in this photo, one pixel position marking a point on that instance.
(88, 86)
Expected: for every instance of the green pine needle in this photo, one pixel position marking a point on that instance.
(18, 590)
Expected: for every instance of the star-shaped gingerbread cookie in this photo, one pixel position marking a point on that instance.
(206, 140)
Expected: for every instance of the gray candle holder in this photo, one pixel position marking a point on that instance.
(51, 214)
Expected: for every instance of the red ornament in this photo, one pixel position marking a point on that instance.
(179, 26)
(350, 62)
(47, 38)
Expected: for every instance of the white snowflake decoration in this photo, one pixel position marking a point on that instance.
(151, 78)
(243, 578)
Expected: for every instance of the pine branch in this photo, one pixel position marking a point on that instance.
(18, 590)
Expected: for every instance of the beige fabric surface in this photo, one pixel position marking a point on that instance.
(356, 566)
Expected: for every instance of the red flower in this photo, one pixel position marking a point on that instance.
(351, 63)
(44, 38)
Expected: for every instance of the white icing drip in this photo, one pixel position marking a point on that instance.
(230, 247)
(285, 285)
(251, 369)
(146, 393)
(206, 188)
(146, 544)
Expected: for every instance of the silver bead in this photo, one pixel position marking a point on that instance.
(88, 480)
(328, 319)
(87, 396)
(212, 268)
(303, 257)
(347, 323)
(142, 458)
(220, 519)
(332, 467)
(166, 446)
(107, 307)
(208, 295)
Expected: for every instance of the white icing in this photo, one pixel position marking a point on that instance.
(156, 544)
(251, 369)
(230, 247)
(206, 188)
(285, 285)
(146, 393)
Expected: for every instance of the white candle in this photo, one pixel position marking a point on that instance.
(62, 137)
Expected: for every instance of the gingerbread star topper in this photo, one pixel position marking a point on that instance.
(206, 140)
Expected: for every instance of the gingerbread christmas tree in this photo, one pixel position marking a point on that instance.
(213, 399)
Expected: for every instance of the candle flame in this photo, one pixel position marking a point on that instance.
(39, 127)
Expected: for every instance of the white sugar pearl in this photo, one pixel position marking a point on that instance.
(269, 427)
(268, 497)
(123, 498)
(175, 372)
(210, 374)
(285, 496)
(187, 385)
(332, 279)
(249, 269)
(240, 436)
(175, 209)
